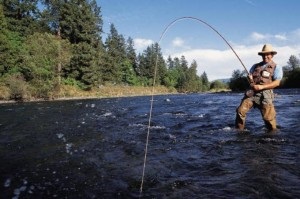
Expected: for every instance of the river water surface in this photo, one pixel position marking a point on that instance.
(95, 148)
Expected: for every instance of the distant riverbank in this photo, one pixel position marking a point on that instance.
(72, 93)
(111, 91)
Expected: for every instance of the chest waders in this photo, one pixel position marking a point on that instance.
(263, 100)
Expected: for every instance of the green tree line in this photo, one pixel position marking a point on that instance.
(46, 44)
(49, 43)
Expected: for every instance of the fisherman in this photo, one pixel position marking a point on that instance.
(263, 76)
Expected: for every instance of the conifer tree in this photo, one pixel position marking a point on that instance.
(161, 65)
(192, 83)
(80, 22)
(11, 46)
(170, 63)
(292, 73)
(172, 76)
(177, 63)
(131, 54)
(3, 42)
(238, 81)
(205, 82)
(115, 56)
(151, 62)
(183, 63)
(293, 62)
(22, 16)
(51, 14)
(130, 67)
(182, 69)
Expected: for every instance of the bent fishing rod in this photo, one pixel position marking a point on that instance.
(154, 79)
(212, 28)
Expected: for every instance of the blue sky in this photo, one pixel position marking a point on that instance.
(245, 24)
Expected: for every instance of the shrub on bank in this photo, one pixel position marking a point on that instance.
(68, 91)
(17, 87)
(4, 93)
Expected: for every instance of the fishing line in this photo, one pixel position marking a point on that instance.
(154, 81)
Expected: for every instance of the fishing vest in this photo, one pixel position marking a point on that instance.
(263, 74)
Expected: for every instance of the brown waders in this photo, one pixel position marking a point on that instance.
(264, 102)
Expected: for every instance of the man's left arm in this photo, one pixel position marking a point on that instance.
(271, 85)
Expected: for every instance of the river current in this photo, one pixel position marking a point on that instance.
(95, 148)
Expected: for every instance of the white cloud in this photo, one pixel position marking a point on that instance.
(296, 33)
(219, 64)
(141, 44)
(178, 42)
(257, 36)
(250, 2)
(294, 36)
(260, 37)
(280, 37)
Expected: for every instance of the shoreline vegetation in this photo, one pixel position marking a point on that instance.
(112, 91)
(65, 55)
(73, 93)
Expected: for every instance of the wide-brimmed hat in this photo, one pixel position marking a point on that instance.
(267, 48)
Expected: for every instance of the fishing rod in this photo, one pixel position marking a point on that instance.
(154, 79)
(212, 28)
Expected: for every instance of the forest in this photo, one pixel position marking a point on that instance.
(52, 45)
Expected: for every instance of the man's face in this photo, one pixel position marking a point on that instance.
(267, 57)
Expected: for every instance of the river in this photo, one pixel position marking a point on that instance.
(95, 148)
